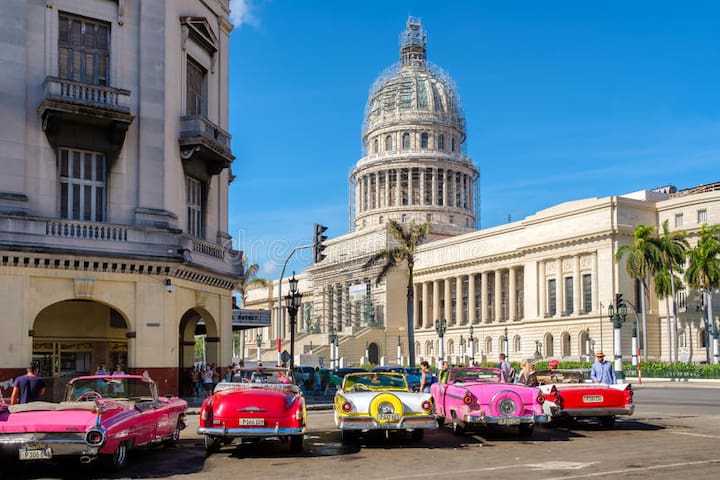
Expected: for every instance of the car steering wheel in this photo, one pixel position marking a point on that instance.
(90, 393)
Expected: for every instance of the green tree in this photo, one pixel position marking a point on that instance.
(642, 258)
(407, 240)
(703, 273)
(672, 247)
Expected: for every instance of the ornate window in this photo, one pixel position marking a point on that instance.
(196, 89)
(587, 292)
(441, 142)
(388, 143)
(194, 207)
(551, 297)
(82, 185)
(424, 140)
(375, 146)
(569, 292)
(405, 141)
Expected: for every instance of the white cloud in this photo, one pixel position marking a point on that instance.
(240, 13)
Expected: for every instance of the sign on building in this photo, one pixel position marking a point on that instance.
(243, 318)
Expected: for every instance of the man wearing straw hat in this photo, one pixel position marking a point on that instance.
(602, 371)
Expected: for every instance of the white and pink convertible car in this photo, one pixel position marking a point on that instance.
(100, 417)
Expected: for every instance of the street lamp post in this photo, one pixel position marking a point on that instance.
(617, 316)
(471, 344)
(462, 349)
(634, 344)
(367, 352)
(506, 347)
(538, 354)
(399, 351)
(587, 344)
(440, 327)
(258, 340)
(293, 301)
(332, 338)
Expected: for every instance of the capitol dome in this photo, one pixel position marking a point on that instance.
(414, 167)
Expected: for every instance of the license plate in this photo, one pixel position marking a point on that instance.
(252, 421)
(508, 421)
(35, 454)
(388, 417)
(592, 398)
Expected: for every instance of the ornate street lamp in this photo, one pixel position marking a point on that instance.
(399, 351)
(462, 349)
(293, 301)
(440, 327)
(506, 347)
(538, 354)
(587, 344)
(332, 338)
(634, 344)
(258, 341)
(617, 314)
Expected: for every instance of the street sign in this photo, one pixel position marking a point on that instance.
(243, 318)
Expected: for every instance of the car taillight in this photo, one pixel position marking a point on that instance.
(427, 406)
(540, 398)
(558, 399)
(95, 437)
(629, 393)
(467, 399)
(346, 407)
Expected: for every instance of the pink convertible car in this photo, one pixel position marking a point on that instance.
(100, 417)
(473, 397)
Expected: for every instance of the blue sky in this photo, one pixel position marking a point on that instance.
(563, 100)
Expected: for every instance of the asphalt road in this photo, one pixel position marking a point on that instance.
(674, 433)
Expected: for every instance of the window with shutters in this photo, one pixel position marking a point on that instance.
(83, 50)
(194, 207)
(82, 185)
(196, 89)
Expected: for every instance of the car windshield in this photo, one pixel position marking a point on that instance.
(474, 375)
(375, 381)
(560, 376)
(259, 376)
(121, 388)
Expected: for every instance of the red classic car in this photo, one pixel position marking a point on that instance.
(264, 403)
(571, 396)
(100, 417)
(473, 397)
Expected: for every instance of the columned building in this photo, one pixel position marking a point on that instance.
(534, 288)
(115, 161)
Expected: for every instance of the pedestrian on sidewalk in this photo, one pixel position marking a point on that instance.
(602, 370)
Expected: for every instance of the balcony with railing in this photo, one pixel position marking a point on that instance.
(72, 110)
(206, 143)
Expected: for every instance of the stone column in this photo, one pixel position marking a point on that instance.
(427, 313)
(436, 302)
(458, 300)
(398, 186)
(576, 285)
(422, 186)
(448, 307)
(542, 292)
(512, 297)
(471, 298)
(559, 288)
(484, 310)
(410, 186)
(416, 306)
(498, 296)
(434, 180)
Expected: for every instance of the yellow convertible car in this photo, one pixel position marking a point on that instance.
(381, 401)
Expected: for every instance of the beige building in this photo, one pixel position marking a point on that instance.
(115, 161)
(538, 287)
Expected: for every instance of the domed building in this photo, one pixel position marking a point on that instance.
(414, 167)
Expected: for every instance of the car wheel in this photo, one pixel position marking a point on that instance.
(418, 434)
(212, 444)
(176, 433)
(441, 421)
(608, 422)
(349, 436)
(526, 429)
(296, 443)
(118, 459)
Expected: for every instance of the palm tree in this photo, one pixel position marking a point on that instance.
(703, 273)
(673, 248)
(408, 240)
(248, 279)
(642, 256)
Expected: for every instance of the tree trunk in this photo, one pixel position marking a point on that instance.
(675, 319)
(669, 334)
(644, 321)
(411, 326)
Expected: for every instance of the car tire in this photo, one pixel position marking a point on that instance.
(608, 422)
(440, 421)
(212, 444)
(176, 433)
(526, 429)
(349, 436)
(456, 427)
(417, 434)
(296, 443)
(117, 460)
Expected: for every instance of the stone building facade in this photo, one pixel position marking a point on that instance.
(114, 189)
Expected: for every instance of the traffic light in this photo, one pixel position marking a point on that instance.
(318, 243)
(618, 301)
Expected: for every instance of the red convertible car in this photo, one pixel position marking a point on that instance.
(100, 417)
(571, 396)
(264, 403)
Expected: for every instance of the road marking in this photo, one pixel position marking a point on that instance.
(696, 434)
(556, 466)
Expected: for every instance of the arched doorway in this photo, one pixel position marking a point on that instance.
(199, 346)
(373, 354)
(73, 337)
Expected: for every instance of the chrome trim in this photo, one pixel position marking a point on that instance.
(597, 412)
(483, 419)
(405, 423)
(61, 443)
(249, 432)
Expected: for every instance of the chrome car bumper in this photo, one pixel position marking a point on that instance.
(405, 423)
(60, 444)
(597, 412)
(249, 432)
(509, 421)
